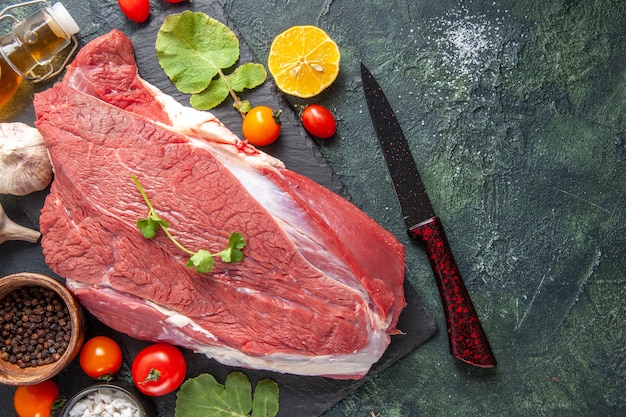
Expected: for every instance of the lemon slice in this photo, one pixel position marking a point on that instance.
(303, 61)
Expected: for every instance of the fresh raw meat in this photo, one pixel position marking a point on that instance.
(320, 288)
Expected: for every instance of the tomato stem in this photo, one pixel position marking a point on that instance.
(57, 404)
(153, 376)
(106, 378)
(276, 116)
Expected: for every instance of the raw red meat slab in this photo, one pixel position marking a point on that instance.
(321, 282)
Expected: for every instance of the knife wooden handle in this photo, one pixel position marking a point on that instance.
(467, 338)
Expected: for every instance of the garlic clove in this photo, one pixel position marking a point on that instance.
(24, 163)
(10, 230)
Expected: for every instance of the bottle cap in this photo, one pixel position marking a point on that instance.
(63, 17)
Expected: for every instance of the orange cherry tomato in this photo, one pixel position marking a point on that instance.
(261, 126)
(100, 357)
(35, 400)
(136, 10)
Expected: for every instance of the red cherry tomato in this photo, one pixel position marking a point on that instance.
(35, 400)
(261, 126)
(136, 10)
(319, 121)
(100, 357)
(158, 369)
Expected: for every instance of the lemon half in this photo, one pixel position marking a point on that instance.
(303, 60)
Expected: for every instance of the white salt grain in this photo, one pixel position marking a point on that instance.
(105, 403)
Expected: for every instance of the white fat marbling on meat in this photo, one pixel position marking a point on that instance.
(204, 126)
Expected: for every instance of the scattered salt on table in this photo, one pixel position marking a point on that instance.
(105, 403)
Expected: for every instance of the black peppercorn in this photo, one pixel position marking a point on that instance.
(35, 326)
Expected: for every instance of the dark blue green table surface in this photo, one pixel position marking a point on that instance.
(516, 115)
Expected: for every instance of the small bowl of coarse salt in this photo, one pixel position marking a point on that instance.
(104, 400)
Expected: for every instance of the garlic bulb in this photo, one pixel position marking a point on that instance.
(24, 163)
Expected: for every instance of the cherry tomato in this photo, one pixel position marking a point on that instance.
(158, 369)
(319, 121)
(35, 400)
(100, 357)
(261, 126)
(136, 10)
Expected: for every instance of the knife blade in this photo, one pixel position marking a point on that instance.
(467, 339)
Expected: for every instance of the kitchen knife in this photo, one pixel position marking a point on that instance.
(467, 338)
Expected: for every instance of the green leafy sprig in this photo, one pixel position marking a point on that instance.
(202, 261)
(195, 50)
(203, 396)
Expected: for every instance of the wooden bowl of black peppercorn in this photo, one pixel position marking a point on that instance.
(41, 328)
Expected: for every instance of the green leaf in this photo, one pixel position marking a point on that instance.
(202, 261)
(246, 76)
(193, 47)
(233, 253)
(203, 396)
(211, 97)
(236, 242)
(238, 389)
(150, 225)
(265, 402)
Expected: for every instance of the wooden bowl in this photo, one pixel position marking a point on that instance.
(12, 374)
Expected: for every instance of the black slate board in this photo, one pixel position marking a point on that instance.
(299, 396)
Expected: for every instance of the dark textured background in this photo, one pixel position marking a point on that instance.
(515, 112)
